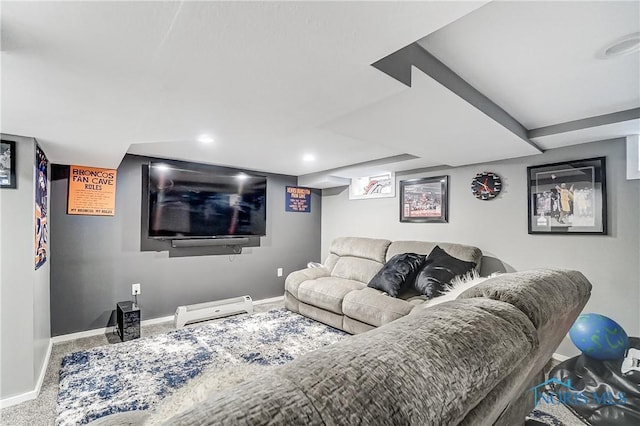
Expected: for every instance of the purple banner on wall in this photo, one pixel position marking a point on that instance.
(42, 225)
(298, 199)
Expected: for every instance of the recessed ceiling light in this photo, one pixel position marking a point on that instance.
(205, 139)
(308, 158)
(242, 176)
(622, 46)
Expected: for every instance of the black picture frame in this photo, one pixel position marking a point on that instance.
(425, 200)
(568, 198)
(8, 164)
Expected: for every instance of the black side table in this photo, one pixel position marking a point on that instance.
(128, 317)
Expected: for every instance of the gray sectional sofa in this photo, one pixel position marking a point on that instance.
(337, 293)
(470, 361)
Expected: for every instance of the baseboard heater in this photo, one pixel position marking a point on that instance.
(211, 310)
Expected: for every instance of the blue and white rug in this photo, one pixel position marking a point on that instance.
(138, 374)
(552, 412)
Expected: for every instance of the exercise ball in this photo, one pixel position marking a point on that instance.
(599, 337)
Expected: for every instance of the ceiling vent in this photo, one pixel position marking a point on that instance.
(622, 46)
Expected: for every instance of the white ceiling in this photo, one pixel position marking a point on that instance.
(538, 60)
(90, 79)
(272, 81)
(427, 121)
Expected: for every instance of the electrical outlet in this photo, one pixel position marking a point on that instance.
(135, 289)
(279, 272)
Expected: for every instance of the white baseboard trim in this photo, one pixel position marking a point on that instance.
(80, 335)
(270, 300)
(43, 369)
(27, 396)
(18, 399)
(100, 331)
(559, 357)
(157, 320)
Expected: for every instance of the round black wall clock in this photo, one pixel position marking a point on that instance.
(486, 185)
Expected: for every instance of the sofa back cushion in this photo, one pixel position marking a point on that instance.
(356, 269)
(426, 369)
(460, 251)
(366, 248)
(357, 259)
(540, 293)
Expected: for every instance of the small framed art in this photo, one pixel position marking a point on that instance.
(425, 200)
(378, 186)
(7, 164)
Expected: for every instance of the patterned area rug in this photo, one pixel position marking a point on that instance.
(183, 367)
(138, 374)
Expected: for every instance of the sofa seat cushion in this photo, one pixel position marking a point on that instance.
(374, 307)
(327, 292)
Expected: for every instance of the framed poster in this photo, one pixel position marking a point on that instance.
(425, 200)
(379, 186)
(568, 197)
(7, 164)
(42, 223)
(297, 199)
(92, 191)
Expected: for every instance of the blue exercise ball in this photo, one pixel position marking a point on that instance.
(599, 337)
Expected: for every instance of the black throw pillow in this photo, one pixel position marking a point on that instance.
(399, 272)
(438, 269)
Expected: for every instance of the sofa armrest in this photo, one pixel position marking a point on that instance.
(294, 279)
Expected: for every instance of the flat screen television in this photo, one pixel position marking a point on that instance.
(185, 203)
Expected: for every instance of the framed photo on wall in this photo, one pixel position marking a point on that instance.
(425, 200)
(7, 164)
(568, 197)
(378, 186)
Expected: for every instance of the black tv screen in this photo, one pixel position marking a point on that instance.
(187, 203)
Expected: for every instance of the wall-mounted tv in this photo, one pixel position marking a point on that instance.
(195, 203)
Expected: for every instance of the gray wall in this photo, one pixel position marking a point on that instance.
(499, 228)
(98, 258)
(24, 292)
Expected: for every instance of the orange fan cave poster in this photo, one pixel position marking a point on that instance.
(92, 191)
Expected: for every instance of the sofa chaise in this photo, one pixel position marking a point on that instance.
(337, 293)
(469, 361)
